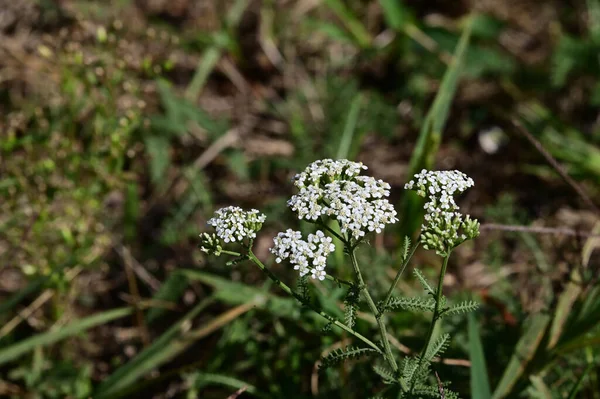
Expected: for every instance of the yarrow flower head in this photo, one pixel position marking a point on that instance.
(308, 256)
(445, 228)
(235, 224)
(333, 189)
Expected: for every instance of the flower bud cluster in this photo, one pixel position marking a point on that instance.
(211, 244)
(308, 256)
(334, 189)
(234, 224)
(444, 227)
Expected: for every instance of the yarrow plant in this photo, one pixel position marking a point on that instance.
(333, 192)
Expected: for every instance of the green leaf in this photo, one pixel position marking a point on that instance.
(439, 346)
(463, 307)
(351, 306)
(167, 346)
(203, 379)
(564, 307)
(395, 13)
(339, 355)
(430, 135)
(20, 348)
(543, 392)
(207, 63)
(480, 384)
(524, 352)
(234, 293)
(405, 248)
(419, 275)
(385, 373)
(413, 304)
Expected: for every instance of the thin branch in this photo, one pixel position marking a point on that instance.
(554, 163)
(536, 230)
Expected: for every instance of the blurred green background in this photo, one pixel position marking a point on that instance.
(124, 124)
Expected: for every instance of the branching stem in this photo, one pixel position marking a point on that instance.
(289, 291)
(363, 289)
(386, 301)
(436, 315)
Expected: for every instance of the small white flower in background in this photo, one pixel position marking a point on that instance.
(444, 228)
(334, 189)
(308, 256)
(234, 224)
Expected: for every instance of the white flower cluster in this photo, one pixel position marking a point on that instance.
(440, 186)
(234, 224)
(334, 189)
(444, 227)
(307, 256)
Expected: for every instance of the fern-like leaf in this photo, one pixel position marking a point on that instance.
(428, 391)
(339, 355)
(413, 304)
(434, 391)
(409, 368)
(419, 275)
(463, 307)
(405, 248)
(303, 288)
(351, 306)
(385, 373)
(439, 346)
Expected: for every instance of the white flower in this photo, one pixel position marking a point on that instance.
(326, 170)
(234, 224)
(307, 256)
(444, 228)
(440, 186)
(334, 189)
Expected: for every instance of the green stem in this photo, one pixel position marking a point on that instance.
(339, 281)
(329, 318)
(436, 315)
(230, 253)
(362, 287)
(332, 231)
(386, 301)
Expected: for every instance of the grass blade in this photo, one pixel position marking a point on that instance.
(170, 291)
(354, 26)
(543, 392)
(17, 297)
(524, 352)
(577, 386)
(48, 338)
(209, 60)
(349, 128)
(430, 134)
(480, 384)
(564, 307)
(162, 349)
(203, 379)
(395, 14)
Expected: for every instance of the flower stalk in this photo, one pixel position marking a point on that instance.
(436, 313)
(324, 315)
